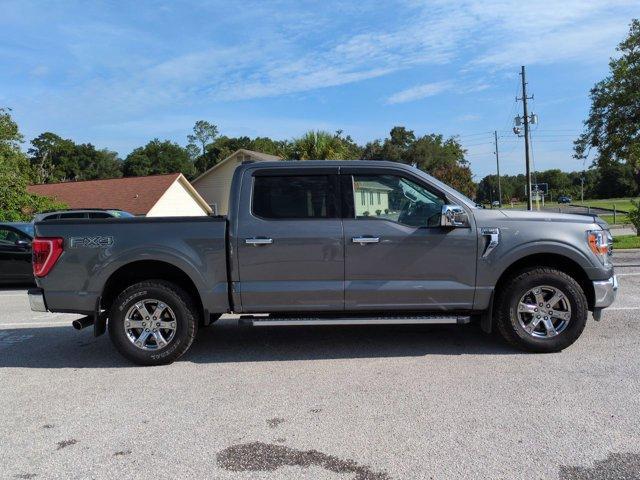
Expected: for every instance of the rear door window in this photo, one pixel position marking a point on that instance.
(295, 197)
(99, 215)
(73, 215)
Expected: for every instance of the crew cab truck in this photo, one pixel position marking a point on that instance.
(325, 242)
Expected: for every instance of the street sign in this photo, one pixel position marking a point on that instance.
(540, 188)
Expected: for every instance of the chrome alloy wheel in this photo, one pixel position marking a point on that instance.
(544, 311)
(150, 324)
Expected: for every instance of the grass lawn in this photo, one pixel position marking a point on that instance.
(620, 219)
(626, 241)
(622, 204)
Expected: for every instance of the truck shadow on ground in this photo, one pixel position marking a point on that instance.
(225, 341)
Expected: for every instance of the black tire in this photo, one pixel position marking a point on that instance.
(513, 289)
(186, 320)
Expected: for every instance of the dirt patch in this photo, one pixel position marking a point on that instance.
(617, 466)
(274, 422)
(258, 456)
(66, 443)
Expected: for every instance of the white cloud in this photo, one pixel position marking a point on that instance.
(287, 48)
(418, 92)
(496, 34)
(469, 117)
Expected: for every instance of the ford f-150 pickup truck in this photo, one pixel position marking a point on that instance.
(325, 242)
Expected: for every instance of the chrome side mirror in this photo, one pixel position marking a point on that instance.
(454, 216)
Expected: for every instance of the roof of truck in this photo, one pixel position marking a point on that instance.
(358, 163)
(329, 163)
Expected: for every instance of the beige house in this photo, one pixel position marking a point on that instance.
(214, 185)
(154, 196)
(371, 198)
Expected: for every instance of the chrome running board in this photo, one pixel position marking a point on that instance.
(263, 321)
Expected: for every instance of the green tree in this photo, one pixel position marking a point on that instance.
(158, 157)
(220, 149)
(95, 164)
(203, 134)
(440, 157)
(15, 174)
(10, 135)
(320, 145)
(55, 159)
(613, 125)
(615, 179)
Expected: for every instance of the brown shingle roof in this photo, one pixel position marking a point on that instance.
(133, 194)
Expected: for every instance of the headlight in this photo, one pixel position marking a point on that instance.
(601, 243)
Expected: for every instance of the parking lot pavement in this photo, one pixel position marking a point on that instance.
(322, 403)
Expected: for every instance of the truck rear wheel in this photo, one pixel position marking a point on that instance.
(153, 322)
(541, 310)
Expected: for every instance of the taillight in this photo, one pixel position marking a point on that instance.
(46, 252)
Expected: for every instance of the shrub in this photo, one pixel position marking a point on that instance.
(634, 215)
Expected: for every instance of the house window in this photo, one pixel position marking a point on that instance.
(363, 199)
(371, 197)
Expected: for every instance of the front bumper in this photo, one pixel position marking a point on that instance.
(36, 300)
(605, 292)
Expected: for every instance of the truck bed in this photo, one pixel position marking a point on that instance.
(97, 250)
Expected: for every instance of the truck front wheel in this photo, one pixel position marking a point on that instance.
(153, 322)
(541, 310)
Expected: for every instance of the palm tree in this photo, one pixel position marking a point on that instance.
(318, 145)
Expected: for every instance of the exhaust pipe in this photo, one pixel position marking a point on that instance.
(83, 322)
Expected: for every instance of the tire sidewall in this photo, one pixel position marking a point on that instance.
(573, 293)
(184, 320)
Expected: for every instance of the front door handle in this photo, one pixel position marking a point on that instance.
(365, 240)
(258, 241)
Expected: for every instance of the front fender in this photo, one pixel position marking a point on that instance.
(490, 269)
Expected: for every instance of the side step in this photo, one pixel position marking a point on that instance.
(263, 321)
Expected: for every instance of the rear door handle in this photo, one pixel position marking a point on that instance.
(258, 241)
(364, 240)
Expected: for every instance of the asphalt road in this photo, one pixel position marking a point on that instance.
(364, 403)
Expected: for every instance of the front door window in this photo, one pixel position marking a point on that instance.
(394, 198)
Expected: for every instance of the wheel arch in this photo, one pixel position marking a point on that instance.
(552, 260)
(142, 270)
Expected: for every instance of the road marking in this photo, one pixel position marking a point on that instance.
(12, 339)
(627, 274)
(14, 295)
(621, 308)
(36, 324)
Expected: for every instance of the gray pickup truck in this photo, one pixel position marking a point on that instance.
(323, 242)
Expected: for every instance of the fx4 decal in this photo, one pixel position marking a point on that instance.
(91, 242)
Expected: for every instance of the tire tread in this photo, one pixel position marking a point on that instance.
(503, 320)
(181, 297)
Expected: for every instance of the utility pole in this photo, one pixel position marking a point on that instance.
(525, 119)
(495, 137)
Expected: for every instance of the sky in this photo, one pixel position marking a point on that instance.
(118, 74)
